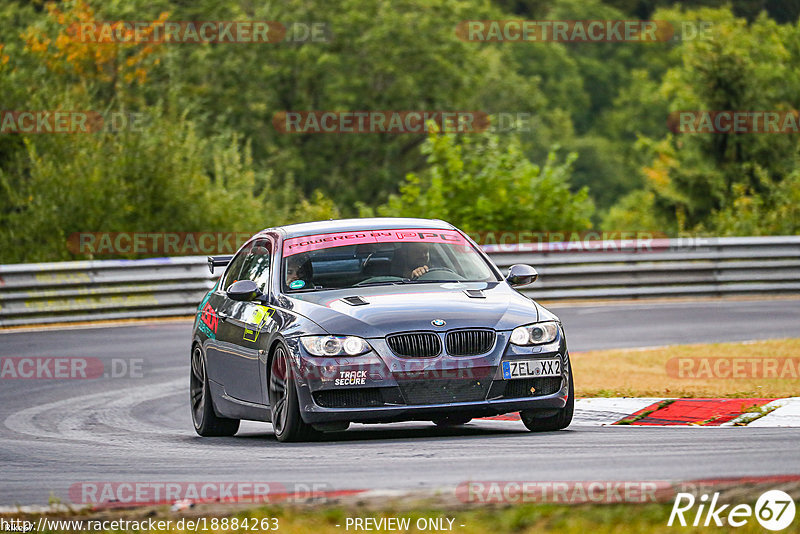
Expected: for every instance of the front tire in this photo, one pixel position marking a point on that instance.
(283, 402)
(206, 422)
(558, 421)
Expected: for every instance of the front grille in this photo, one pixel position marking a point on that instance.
(443, 391)
(532, 387)
(349, 398)
(469, 342)
(415, 344)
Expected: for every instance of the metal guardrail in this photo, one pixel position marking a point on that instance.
(661, 268)
(39, 293)
(78, 291)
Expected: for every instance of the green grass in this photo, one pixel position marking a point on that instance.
(645, 372)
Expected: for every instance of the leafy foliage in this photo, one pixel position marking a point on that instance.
(723, 182)
(208, 157)
(481, 183)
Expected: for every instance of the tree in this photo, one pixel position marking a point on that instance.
(479, 183)
(700, 180)
(166, 175)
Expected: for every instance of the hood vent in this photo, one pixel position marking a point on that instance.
(355, 301)
(474, 293)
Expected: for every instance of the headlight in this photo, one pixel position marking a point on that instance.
(335, 345)
(535, 334)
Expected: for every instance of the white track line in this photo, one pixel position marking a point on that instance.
(111, 408)
(600, 411)
(787, 414)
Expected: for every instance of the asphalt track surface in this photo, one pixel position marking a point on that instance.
(58, 433)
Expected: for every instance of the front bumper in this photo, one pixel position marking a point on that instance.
(465, 386)
(312, 413)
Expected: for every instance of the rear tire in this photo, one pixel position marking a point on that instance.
(558, 421)
(452, 420)
(284, 405)
(206, 422)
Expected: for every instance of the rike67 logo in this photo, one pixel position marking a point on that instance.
(774, 510)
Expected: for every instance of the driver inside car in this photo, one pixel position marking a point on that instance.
(416, 260)
(299, 272)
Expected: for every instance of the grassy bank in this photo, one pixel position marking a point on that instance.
(689, 371)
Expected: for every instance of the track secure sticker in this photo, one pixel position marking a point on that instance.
(297, 284)
(351, 378)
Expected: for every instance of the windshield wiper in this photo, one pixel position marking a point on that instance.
(383, 283)
(428, 281)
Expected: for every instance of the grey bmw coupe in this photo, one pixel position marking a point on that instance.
(313, 326)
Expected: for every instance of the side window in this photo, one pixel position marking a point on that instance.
(235, 267)
(256, 266)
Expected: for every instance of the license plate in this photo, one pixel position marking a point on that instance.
(528, 368)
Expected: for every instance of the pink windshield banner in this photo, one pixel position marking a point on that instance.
(296, 245)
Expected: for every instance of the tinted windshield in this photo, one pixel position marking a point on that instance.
(377, 257)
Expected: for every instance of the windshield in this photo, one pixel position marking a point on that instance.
(380, 257)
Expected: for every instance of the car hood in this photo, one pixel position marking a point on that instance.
(400, 308)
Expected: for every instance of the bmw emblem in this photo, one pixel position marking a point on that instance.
(438, 322)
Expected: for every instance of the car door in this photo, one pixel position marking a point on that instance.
(214, 316)
(239, 336)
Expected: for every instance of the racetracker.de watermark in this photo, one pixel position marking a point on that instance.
(199, 32)
(582, 31)
(400, 122)
(70, 122)
(69, 368)
(101, 494)
(733, 368)
(380, 121)
(564, 492)
(499, 241)
(166, 243)
(333, 371)
(734, 121)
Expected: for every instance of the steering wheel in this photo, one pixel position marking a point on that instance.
(435, 269)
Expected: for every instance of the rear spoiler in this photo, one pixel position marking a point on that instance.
(218, 261)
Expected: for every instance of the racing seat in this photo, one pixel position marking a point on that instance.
(376, 266)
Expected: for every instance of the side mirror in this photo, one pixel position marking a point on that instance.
(521, 275)
(244, 291)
